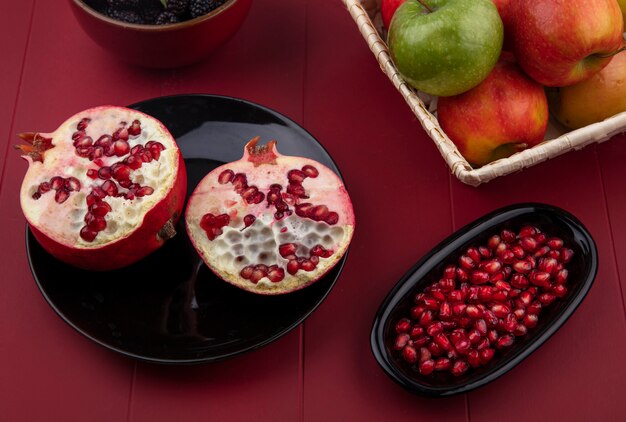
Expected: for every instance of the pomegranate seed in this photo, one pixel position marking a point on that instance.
(530, 320)
(539, 278)
(485, 293)
(528, 231)
(144, 191)
(332, 218)
(480, 277)
(296, 176)
(500, 310)
(458, 308)
(461, 275)
(416, 331)
(307, 265)
(561, 276)
(430, 303)
(438, 294)
(442, 341)
(401, 340)
(110, 188)
(310, 171)
(434, 328)
(426, 318)
(459, 368)
(492, 336)
(505, 341)
(493, 266)
(421, 341)
(87, 234)
(554, 243)
(559, 290)
(61, 196)
(424, 354)
(445, 311)
(548, 265)
(520, 330)
(542, 251)
(510, 322)
(434, 349)
(72, 184)
(534, 308)
(494, 241)
(287, 249)
(481, 326)
(276, 274)
(121, 148)
(466, 262)
(474, 336)
(296, 189)
(443, 364)
(566, 255)
(257, 275)
(135, 128)
(293, 266)
(121, 133)
(508, 236)
(84, 122)
(554, 254)
(473, 358)
(403, 326)
(417, 311)
(519, 313)
(529, 244)
(518, 252)
(100, 209)
(473, 312)
(450, 272)
(484, 252)
(501, 248)
(500, 296)
(104, 173)
(486, 355)
(474, 254)
(97, 224)
(446, 285)
(523, 267)
(546, 298)
(427, 367)
(120, 171)
(483, 344)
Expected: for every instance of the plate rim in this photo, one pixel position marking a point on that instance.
(203, 360)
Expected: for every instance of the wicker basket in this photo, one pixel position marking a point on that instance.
(366, 14)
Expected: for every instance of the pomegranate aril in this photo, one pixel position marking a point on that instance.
(445, 311)
(87, 234)
(485, 293)
(466, 262)
(534, 308)
(505, 341)
(430, 303)
(539, 278)
(530, 320)
(287, 249)
(83, 123)
(518, 252)
(426, 367)
(332, 218)
(474, 336)
(434, 349)
(546, 298)
(296, 176)
(110, 188)
(417, 311)
(425, 354)
(443, 341)
(523, 267)
(459, 368)
(61, 196)
(121, 148)
(450, 272)
(529, 244)
(554, 243)
(416, 331)
(426, 318)
(484, 251)
(120, 171)
(494, 241)
(486, 355)
(121, 133)
(508, 236)
(561, 276)
(100, 209)
(97, 224)
(105, 173)
(566, 255)
(479, 277)
(434, 328)
(473, 358)
(481, 326)
(135, 128)
(276, 275)
(542, 251)
(520, 330)
(559, 290)
(443, 364)
(500, 310)
(461, 275)
(310, 171)
(293, 266)
(144, 191)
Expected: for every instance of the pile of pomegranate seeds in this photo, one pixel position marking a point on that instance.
(480, 306)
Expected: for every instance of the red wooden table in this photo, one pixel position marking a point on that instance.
(305, 59)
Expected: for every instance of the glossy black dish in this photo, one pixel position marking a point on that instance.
(169, 307)
(582, 271)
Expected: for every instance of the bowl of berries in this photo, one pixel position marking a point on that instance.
(160, 33)
(484, 299)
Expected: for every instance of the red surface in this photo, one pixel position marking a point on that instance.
(306, 59)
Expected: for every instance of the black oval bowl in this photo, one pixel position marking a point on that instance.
(582, 271)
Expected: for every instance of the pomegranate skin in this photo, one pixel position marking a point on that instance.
(156, 218)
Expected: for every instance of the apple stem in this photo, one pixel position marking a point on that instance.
(606, 56)
(425, 5)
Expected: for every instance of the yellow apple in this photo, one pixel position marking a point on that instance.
(622, 5)
(593, 100)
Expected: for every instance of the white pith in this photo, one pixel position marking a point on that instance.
(238, 247)
(63, 222)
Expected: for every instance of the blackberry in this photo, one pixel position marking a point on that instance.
(177, 7)
(123, 4)
(166, 17)
(128, 16)
(150, 10)
(202, 7)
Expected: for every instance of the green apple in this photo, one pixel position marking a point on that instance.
(445, 47)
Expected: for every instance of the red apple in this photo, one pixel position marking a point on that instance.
(504, 10)
(506, 113)
(388, 8)
(562, 42)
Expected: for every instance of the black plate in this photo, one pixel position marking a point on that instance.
(169, 307)
(582, 271)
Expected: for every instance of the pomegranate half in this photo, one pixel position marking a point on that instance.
(270, 223)
(105, 189)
